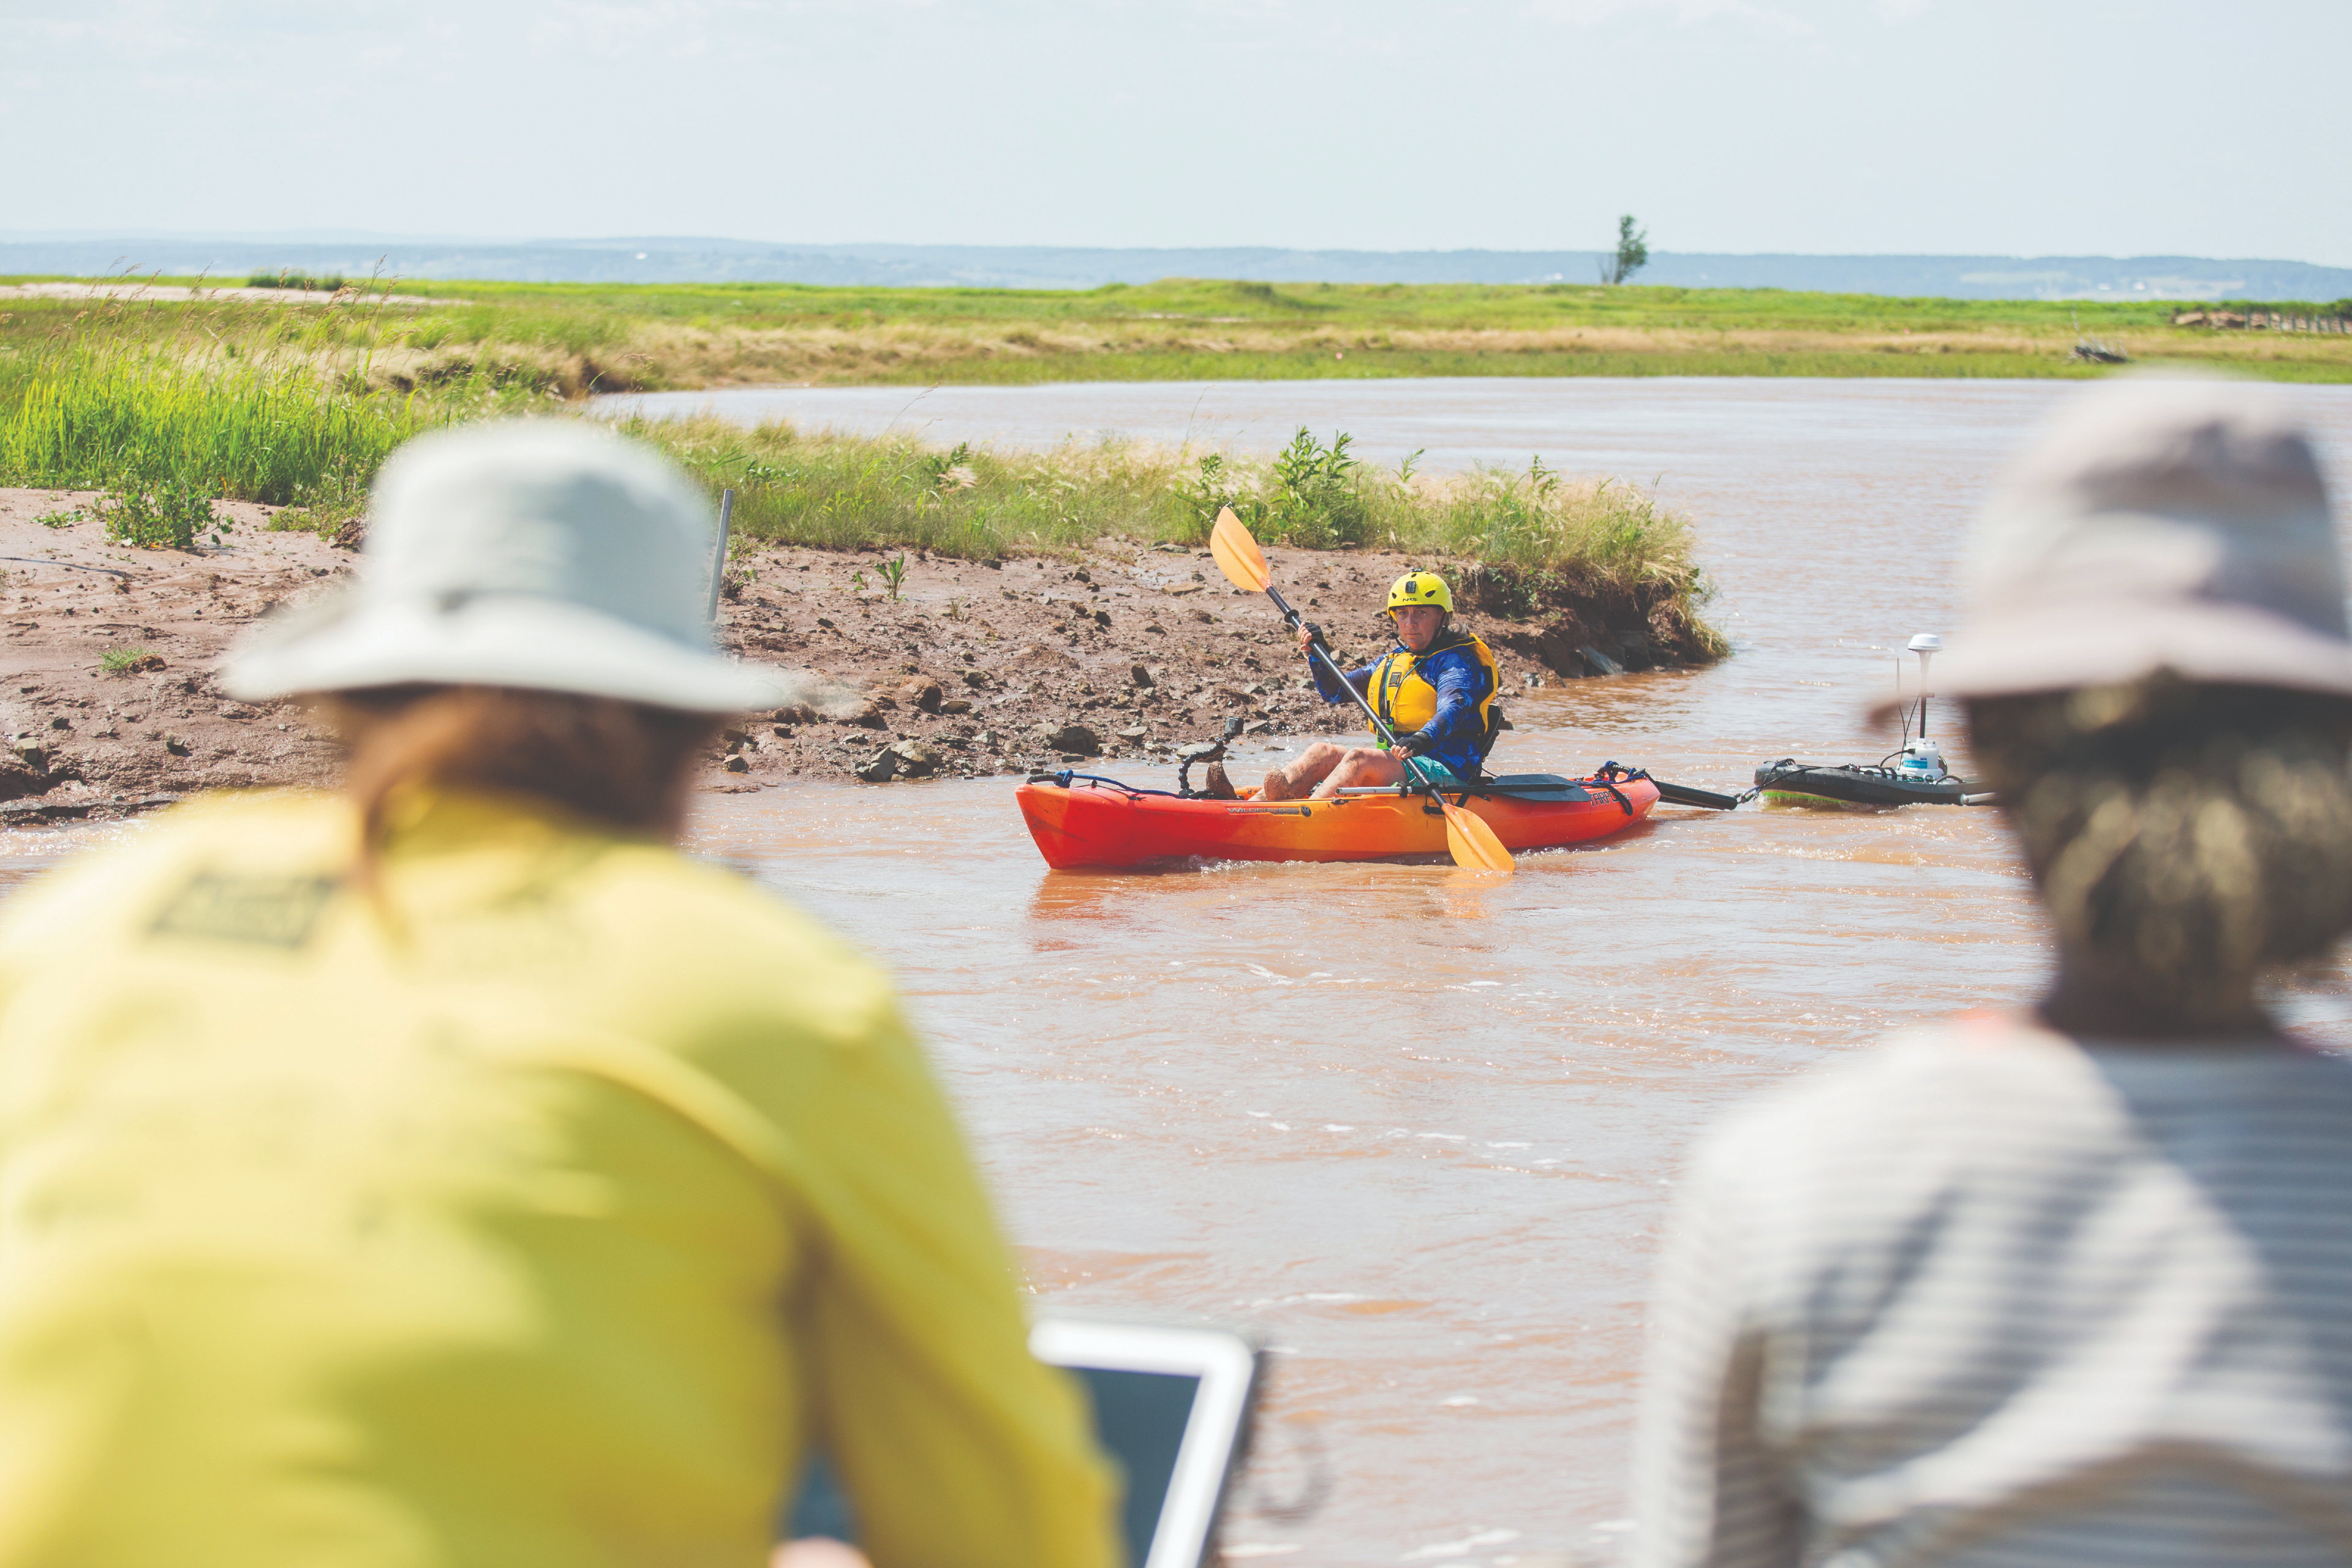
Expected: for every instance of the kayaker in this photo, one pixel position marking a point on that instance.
(449, 1171)
(1436, 690)
(2067, 1285)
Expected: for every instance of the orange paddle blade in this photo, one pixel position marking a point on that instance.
(1238, 556)
(1472, 842)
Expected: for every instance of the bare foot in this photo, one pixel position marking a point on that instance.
(1277, 786)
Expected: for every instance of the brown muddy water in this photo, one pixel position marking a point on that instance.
(1420, 1129)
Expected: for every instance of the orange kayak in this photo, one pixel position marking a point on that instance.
(1080, 820)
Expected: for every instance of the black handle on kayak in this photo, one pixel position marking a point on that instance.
(1682, 795)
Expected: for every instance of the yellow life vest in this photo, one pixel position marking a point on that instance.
(1406, 700)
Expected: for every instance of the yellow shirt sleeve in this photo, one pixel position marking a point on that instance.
(953, 1444)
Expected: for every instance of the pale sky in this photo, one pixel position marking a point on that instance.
(2022, 127)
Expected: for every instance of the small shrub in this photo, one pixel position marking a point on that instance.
(950, 471)
(1315, 503)
(59, 519)
(170, 516)
(129, 660)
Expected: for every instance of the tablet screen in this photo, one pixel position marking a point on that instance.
(1139, 1417)
(1170, 1405)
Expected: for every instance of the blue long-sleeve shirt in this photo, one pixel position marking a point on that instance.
(1456, 730)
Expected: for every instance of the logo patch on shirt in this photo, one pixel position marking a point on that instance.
(266, 911)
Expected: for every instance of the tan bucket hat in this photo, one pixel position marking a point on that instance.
(534, 553)
(2157, 524)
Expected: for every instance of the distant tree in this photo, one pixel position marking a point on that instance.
(1632, 252)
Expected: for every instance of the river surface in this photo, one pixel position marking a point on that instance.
(1420, 1129)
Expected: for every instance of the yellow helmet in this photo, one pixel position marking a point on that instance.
(1421, 588)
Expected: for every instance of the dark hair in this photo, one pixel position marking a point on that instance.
(2183, 835)
(620, 763)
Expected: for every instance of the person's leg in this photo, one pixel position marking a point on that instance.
(1363, 768)
(1295, 779)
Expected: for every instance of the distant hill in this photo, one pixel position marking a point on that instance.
(671, 259)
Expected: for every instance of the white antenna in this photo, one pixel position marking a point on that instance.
(1926, 645)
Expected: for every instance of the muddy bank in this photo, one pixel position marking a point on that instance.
(979, 667)
(84, 739)
(969, 668)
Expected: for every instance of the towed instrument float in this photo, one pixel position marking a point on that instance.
(1912, 776)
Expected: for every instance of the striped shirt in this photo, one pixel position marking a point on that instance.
(1990, 1296)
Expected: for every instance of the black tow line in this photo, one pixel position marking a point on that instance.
(1681, 794)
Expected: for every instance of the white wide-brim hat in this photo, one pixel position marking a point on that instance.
(533, 553)
(2157, 524)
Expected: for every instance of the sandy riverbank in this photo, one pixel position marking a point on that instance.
(973, 669)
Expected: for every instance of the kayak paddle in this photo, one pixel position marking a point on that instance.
(1469, 838)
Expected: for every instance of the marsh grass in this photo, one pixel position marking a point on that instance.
(165, 407)
(1540, 539)
(253, 413)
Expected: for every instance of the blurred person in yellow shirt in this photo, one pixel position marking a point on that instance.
(448, 1170)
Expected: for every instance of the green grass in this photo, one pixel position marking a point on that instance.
(168, 409)
(1540, 540)
(574, 338)
(101, 415)
(553, 311)
(838, 492)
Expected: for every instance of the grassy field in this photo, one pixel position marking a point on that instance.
(573, 338)
(165, 406)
